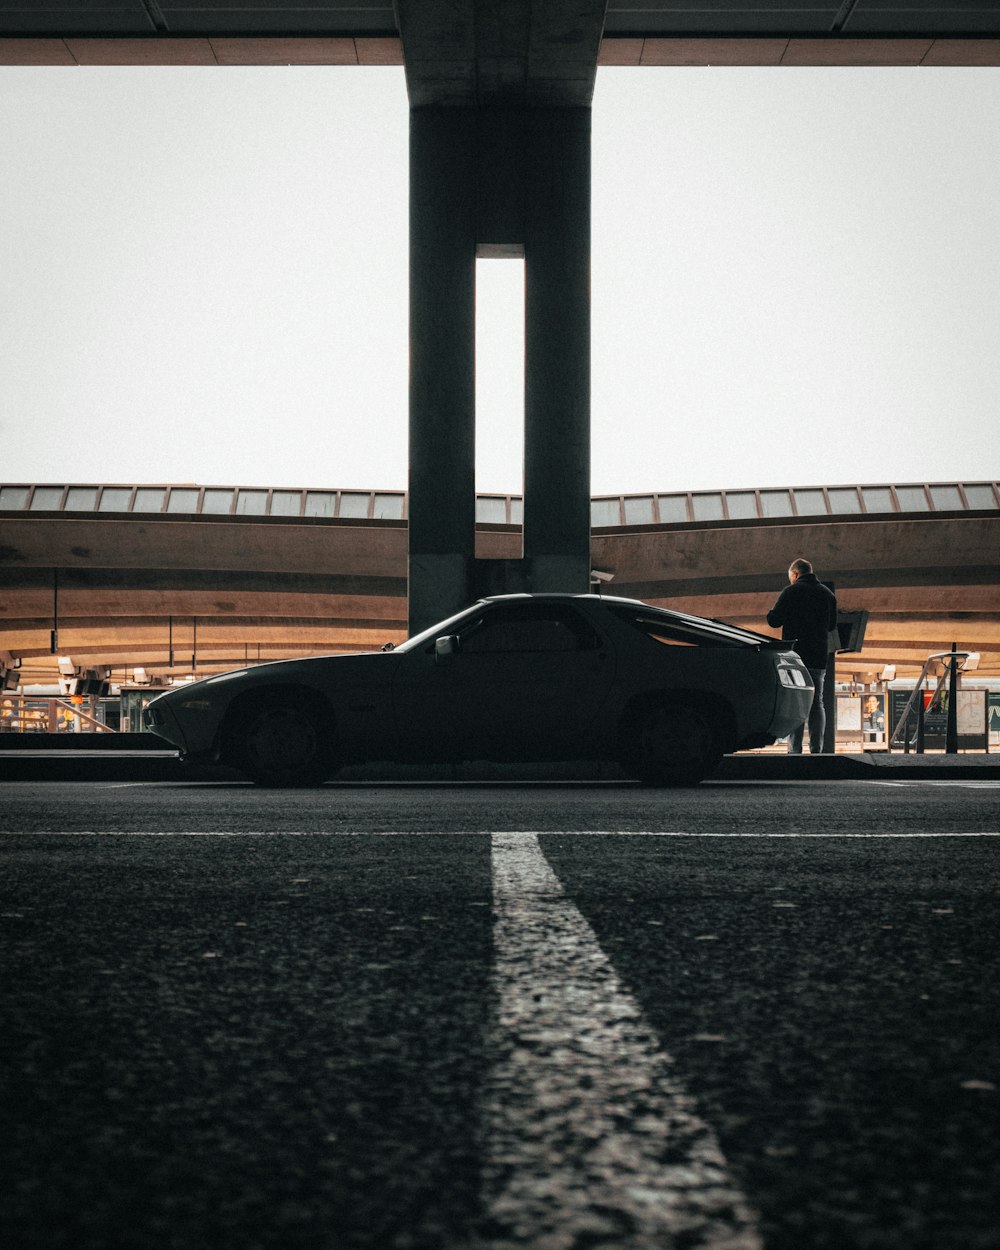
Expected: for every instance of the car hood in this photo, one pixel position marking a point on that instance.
(348, 665)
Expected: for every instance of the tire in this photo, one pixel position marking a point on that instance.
(285, 744)
(674, 745)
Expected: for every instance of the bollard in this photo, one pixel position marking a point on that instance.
(951, 736)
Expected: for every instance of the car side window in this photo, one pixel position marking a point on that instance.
(672, 633)
(671, 638)
(529, 631)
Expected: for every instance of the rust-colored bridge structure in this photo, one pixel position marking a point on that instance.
(175, 579)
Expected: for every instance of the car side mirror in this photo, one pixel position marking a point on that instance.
(446, 648)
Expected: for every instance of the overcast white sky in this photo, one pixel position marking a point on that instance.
(796, 279)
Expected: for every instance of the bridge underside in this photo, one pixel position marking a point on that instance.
(367, 32)
(213, 593)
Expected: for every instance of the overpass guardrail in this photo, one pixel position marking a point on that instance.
(652, 508)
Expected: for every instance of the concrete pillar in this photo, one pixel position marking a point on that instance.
(442, 362)
(498, 182)
(557, 352)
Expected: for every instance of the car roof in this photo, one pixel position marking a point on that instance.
(603, 599)
(547, 595)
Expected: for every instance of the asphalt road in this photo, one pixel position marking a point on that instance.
(484, 1017)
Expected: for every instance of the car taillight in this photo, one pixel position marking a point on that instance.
(791, 676)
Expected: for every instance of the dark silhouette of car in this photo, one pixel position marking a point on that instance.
(518, 678)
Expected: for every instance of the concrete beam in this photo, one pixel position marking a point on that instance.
(615, 50)
(509, 53)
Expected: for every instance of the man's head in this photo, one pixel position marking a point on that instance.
(797, 568)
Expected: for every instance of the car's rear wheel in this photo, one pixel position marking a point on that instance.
(675, 745)
(285, 744)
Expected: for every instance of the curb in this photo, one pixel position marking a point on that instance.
(139, 762)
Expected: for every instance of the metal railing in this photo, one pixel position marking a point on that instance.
(949, 663)
(607, 511)
(25, 714)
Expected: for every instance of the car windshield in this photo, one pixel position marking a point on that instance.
(450, 625)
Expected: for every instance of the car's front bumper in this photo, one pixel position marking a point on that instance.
(187, 724)
(158, 718)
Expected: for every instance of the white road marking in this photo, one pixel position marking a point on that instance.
(458, 833)
(588, 1138)
(961, 785)
(128, 785)
(94, 753)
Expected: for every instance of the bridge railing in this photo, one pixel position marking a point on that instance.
(607, 511)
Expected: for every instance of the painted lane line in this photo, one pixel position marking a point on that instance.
(588, 1138)
(463, 833)
(962, 785)
(245, 833)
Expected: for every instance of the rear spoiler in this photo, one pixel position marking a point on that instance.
(767, 642)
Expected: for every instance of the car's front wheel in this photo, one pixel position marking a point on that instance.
(285, 744)
(674, 745)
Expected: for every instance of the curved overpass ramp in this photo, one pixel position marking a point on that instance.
(181, 579)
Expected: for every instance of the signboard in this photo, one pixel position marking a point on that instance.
(873, 718)
(862, 718)
(849, 715)
(970, 712)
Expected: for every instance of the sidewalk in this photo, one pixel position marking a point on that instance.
(864, 766)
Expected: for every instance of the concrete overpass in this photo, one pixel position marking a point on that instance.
(500, 94)
(367, 32)
(214, 577)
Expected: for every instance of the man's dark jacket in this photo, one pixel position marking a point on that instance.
(806, 611)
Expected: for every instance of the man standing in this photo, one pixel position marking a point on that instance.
(805, 612)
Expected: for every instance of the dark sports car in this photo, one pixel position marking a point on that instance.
(521, 678)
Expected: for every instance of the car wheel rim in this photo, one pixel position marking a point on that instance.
(281, 741)
(675, 739)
